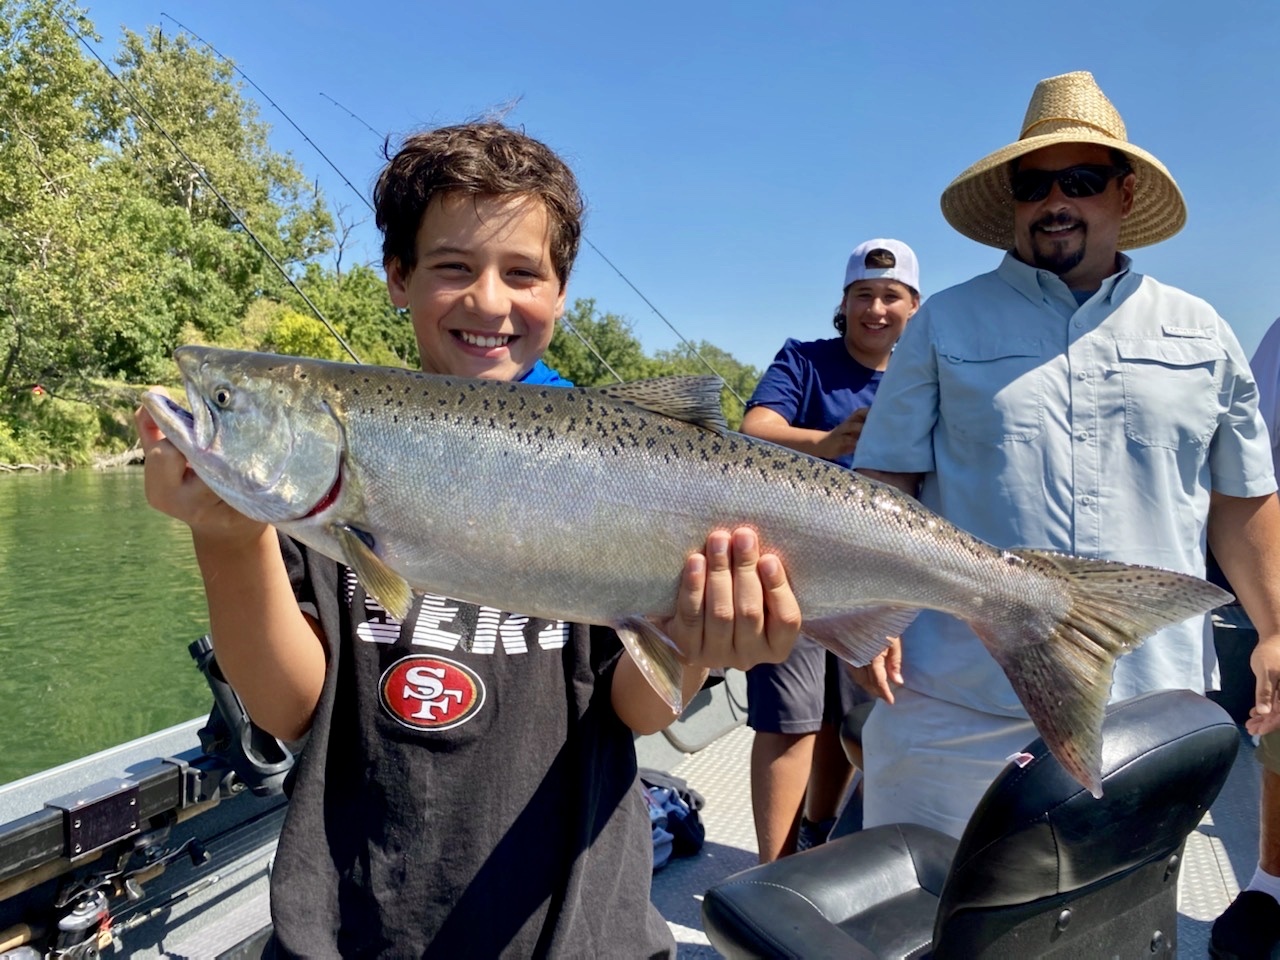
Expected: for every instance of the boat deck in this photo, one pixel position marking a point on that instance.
(218, 908)
(1220, 854)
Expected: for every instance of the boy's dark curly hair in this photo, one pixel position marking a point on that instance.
(480, 159)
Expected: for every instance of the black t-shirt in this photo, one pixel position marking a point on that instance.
(466, 789)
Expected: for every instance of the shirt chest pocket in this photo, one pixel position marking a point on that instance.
(1171, 391)
(991, 392)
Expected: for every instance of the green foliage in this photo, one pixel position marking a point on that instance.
(110, 240)
(586, 347)
(581, 357)
(45, 429)
(114, 248)
(302, 336)
(356, 303)
(11, 450)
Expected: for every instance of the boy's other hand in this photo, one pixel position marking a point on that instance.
(882, 674)
(735, 607)
(172, 487)
(841, 441)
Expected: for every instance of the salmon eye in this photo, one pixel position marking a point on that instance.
(222, 396)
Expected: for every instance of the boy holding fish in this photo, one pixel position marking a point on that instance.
(468, 786)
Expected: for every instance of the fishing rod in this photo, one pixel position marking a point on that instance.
(349, 113)
(687, 343)
(199, 171)
(236, 67)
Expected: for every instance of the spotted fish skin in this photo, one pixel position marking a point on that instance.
(581, 504)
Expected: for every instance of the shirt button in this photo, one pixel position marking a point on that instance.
(1082, 435)
(1086, 500)
(1082, 375)
(1077, 323)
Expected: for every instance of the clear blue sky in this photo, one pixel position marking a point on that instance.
(732, 153)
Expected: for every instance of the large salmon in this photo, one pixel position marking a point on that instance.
(582, 504)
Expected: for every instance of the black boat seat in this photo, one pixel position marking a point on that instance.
(1043, 868)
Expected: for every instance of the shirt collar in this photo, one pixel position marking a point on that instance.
(1034, 283)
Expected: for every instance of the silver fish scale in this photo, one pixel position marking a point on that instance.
(589, 506)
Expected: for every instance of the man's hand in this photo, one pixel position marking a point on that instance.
(1264, 716)
(880, 676)
(735, 607)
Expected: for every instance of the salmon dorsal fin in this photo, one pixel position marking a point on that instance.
(693, 399)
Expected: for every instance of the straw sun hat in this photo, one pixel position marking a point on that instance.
(1066, 109)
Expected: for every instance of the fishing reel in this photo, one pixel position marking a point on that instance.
(84, 925)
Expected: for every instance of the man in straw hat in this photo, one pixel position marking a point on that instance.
(1067, 402)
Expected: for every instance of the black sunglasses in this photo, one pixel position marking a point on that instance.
(1082, 180)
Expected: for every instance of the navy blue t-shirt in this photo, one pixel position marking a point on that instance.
(816, 384)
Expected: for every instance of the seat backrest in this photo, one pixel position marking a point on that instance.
(1037, 833)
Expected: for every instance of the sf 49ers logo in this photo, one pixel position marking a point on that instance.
(431, 693)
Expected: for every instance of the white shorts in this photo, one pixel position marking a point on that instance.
(930, 761)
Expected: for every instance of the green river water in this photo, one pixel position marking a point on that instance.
(99, 597)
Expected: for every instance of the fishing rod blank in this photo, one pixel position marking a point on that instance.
(236, 67)
(199, 171)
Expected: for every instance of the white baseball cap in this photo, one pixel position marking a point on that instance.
(906, 269)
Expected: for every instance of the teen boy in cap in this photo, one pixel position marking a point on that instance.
(814, 398)
(1065, 402)
(468, 788)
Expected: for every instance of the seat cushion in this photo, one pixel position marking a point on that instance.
(1037, 833)
(871, 891)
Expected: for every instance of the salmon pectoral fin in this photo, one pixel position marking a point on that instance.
(860, 635)
(387, 587)
(657, 657)
(1063, 674)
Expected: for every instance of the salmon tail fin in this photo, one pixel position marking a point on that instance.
(1062, 671)
(657, 657)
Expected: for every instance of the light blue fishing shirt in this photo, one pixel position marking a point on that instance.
(1096, 429)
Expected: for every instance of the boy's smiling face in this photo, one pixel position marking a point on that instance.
(483, 296)
(876, 311)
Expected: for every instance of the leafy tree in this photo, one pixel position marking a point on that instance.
(110, 241)
(52, 119)
(611, 336)
(356, 302)
(170, 85)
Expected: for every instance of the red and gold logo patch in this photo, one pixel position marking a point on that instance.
(431, 693)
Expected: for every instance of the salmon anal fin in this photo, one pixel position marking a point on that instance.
(860, 635)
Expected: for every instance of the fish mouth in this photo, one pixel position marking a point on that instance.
(179, 425)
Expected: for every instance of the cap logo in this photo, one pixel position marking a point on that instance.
(431, 693)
